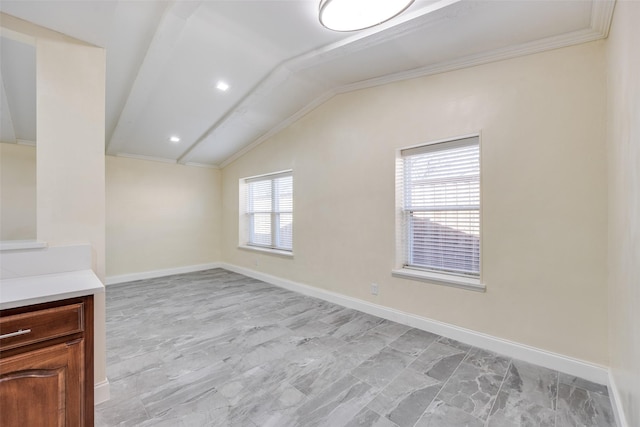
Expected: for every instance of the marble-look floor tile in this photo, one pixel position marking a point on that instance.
(311, 328)
(439, 414)
(487, 361)
(533, 383)
(252, 336)
(578, 407)
(357, 326)
(271, 402)
(391, 329)
(413, 342)
(337, 405)
(438, 361)
(474, 385)
(309, 349)
(327, 308)
(313, 376)
(453, 343)
(134, 365)
(509, 412)
(364, 347)
(340, 317)
(215, 348)
(527, 398)
(210, 409)
(185, 388)
(247, 358)
(406, 398)
(300, 307)
(381, 369)
(572, 381)
(369, 418)
(241, 386)
(121, 410)
(300, 320)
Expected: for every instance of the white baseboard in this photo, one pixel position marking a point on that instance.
(123, 278)
(589, 371)
(101, 392)
(616, 402)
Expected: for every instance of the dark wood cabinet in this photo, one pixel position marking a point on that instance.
(46, 364)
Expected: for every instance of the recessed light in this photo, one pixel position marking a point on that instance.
(223, 86)
(174, 139)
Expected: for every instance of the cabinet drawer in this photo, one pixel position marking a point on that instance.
(36, 326)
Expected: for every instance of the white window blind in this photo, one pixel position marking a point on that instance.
(441, 207)
(270, 211)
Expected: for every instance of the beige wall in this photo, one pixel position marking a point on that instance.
(623, 137)
(543, 183)
(158, 215)
(161, 215)
(17, 192)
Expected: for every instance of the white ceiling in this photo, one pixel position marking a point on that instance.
(164, 59)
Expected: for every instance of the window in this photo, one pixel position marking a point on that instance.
(440, 208)
(269, 211)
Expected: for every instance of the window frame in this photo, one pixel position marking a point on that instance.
(403, 233)
(247, 232)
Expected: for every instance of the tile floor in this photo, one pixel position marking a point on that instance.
(215, 348)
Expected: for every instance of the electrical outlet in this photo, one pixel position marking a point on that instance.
(256, 262)
(374, 289)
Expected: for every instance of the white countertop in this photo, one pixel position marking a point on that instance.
(28, 290)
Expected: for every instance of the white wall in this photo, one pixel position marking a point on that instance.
(543, 183)
(161, 216)
(17, 192)
(623, 137)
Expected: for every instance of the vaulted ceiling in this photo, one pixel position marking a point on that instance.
(165, 59)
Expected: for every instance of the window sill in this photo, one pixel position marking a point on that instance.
(440, 279)
(285, 254)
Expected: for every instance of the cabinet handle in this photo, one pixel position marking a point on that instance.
(15, 334)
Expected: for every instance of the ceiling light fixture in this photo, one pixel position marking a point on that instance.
(223, 86)
(174, 139)
(352, 15)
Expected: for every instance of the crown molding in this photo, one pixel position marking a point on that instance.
(601, 16)
(200, 165)
(538, 46)
(164, 160)
(142, 157)
(27, 32)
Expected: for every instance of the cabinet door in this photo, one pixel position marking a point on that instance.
(43, 387)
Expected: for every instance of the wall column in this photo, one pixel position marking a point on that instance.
(70, 157)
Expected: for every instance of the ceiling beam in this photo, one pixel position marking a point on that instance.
(294, 66)
(172, 24)
(26, 32)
